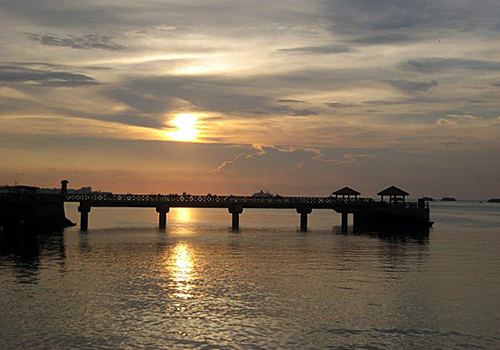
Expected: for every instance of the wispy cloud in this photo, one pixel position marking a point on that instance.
(86, 42)
(323, 50)
(412, 87)
(455, 119)
(45, 77)
(437, 65)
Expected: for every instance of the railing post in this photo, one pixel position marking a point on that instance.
(235, 210)
(84, 209)
(162, 211)
(304, 211)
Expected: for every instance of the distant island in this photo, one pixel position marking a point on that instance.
(428, 199)
(494, 200)
(448, 199)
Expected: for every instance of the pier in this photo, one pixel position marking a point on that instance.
(31, 207)
(365, 211)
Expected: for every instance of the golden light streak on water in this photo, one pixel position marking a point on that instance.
(182, 270)
(182, 214)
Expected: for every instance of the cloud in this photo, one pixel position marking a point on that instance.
(283, 110)
(455, 119)
(351, 16)
(340, 160)
(337, 105)
(412, 87)
(86, 42)
(326, 50)
(45, 77)
(284, 100)
(165, 27)
(268, 159)
(288, 158)
(158, 94)
(384, 39)
(436, 65)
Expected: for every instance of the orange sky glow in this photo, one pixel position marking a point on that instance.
(237, 96)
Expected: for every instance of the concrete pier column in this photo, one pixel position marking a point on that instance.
(235, 210)
(344, 221)
(162, 211)
(304, 211)
(84, 210)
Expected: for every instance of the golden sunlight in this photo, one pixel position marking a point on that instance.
(182, 214)
(182, 267)
(186, 127)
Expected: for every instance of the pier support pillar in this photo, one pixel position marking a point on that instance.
(355, 223)
(84, 210)
(344, 221)
(235, 210)
(304, 211)
(162, 211)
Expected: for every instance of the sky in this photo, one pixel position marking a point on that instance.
(296, 97)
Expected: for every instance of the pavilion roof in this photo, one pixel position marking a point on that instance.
(346, 191)
(393, 191)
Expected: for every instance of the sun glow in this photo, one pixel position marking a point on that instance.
(186, 127)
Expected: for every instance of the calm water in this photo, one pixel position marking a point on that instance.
(125, 285)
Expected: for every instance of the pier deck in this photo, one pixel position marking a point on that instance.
(365, 211)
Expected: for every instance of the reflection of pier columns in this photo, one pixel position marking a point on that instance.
(84, 210)
(162, 211)
(304, 211)
(236, 210)
(344, 221)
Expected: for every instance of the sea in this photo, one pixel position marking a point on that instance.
(125, 284)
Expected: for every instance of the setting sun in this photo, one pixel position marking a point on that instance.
(186, 127)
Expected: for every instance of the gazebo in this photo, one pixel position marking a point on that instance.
(395, 194)
(346, 192)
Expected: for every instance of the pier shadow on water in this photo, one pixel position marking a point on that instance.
(24, 251)
(418, 235)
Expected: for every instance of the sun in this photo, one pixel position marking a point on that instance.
(186, 127)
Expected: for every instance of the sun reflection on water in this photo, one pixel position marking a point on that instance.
(182, 214)
(182, 271)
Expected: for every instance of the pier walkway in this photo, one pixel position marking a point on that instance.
(364, 210)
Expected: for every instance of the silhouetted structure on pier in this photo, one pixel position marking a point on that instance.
(366, 212)
(346, 192)
(395, 194)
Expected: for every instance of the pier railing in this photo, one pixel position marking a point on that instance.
(204, 200)
(212, 199)
(361, 208)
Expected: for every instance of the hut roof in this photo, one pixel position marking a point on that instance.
(393, 191)
(346, 191)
